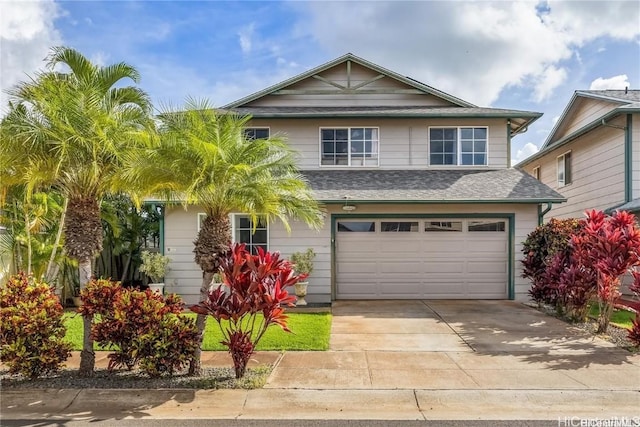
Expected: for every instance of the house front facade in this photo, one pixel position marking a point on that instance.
(592, 155)
(420, 198)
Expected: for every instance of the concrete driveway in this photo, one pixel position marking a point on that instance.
(456, 345)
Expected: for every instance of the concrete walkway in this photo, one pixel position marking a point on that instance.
(398, 360)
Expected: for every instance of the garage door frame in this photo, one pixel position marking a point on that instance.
(510, 217)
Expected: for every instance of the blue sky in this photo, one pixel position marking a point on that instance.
(522, 55)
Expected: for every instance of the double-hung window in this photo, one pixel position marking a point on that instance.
(459, 146)
(349, 146)
(564, 169)
(256, 133)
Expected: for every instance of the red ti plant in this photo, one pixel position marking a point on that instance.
(634, 333)
(251, 299)
(610, 245)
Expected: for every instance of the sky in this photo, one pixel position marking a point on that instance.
(505, 54)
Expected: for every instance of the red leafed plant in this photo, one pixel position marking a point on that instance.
(251, 298)
(610, 245)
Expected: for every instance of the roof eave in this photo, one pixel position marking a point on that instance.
(567, 139)
(531, 117)
(448, 201)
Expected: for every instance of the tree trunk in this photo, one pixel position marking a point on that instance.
(213, 240)
(87, 356)
(27, 230)
(52, 267)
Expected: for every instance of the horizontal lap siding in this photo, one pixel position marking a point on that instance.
(585, 112)
(184, 276)
(403, 142)
(597, 169)
(635, 138)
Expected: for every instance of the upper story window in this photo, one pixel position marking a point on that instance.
(536, 173)
(256, 133)
(465, 146)
(564, 169)
(349, 146)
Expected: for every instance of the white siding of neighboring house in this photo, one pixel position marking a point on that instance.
(597, 171)
(184, 276)
(386, 87)
(403, 142)
(586, 111)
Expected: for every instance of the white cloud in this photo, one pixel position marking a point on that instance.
(550, 79)
(26, 33)
(473, 50)
(555, 119)
(529, 149)
(615, 82)
(244, 36)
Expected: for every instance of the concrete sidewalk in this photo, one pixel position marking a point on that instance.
(449, 360)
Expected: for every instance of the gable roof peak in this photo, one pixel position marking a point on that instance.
(360, 61)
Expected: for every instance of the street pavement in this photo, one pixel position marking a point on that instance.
(409, 362)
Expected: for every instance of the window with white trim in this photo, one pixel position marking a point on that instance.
(564, 169)
(458, 146)
(242, 231)
(256, 133)
(349, 146)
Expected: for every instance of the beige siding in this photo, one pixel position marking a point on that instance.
(388, 91)
(184, 276)
(597, 169)
(635, 157)
(403, 142)
(584, 112)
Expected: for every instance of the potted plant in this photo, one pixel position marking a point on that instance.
(302, 264)
(155, 265)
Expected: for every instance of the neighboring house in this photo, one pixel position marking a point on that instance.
(420, 198)
(592, 155)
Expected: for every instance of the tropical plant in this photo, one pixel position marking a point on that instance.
(31, 328)
(540, 248)
(206, 159)
(254, 299)
(71, 129)
(141, 327)
(610, 245)
(303, 261)
(155, 265)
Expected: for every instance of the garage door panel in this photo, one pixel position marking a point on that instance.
(444, 267)
(422, 264)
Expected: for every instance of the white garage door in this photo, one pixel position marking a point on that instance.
(421, 258)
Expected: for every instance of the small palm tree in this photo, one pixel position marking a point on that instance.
(205, 159)
(69, 130)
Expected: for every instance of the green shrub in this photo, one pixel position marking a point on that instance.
(140, 327)
(31, 328)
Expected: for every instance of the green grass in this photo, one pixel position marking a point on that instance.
(620, 318)
(310, 331)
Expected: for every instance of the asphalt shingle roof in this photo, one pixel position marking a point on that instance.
(503, 185)
(622, 95)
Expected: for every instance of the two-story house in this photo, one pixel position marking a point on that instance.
(592, 155)
(420, 199)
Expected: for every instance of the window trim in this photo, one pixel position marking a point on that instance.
(535, 172)
(567, 178)
(458, 146)
(232, 218)
(349, 163)
(268, 128)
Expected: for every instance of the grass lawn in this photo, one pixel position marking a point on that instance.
(619, 318)
(310, 331)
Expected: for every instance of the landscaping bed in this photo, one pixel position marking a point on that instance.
(211, 378)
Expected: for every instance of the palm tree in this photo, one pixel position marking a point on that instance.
(205, 159)
(71, 129)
